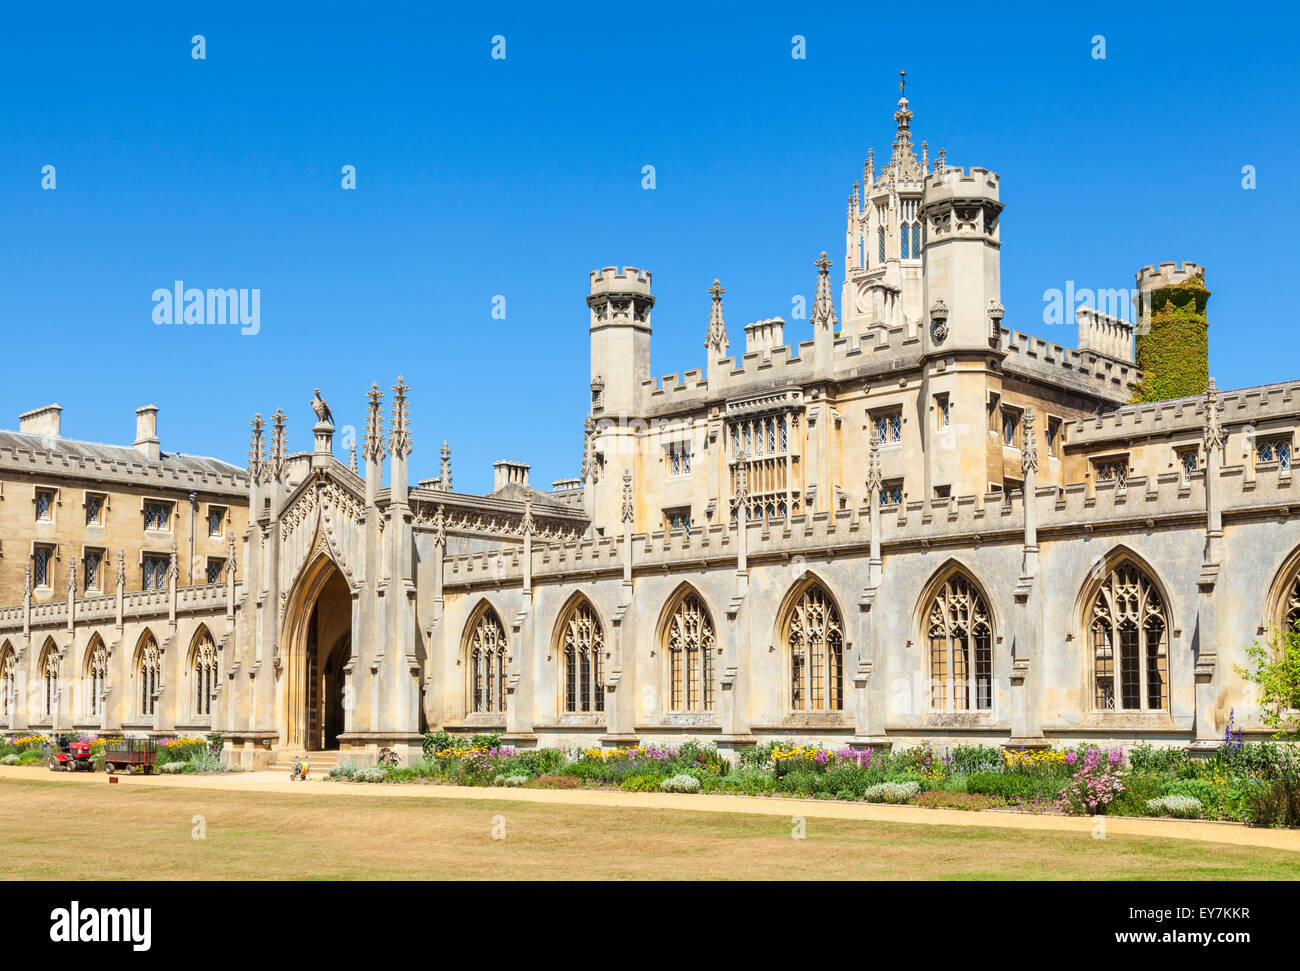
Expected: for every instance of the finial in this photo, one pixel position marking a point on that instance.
(925, 156)
(716, 339)
(444, 472)
(1213, 431)
(874, 479)
(824, 306)
(399, 429)
(629, 513)
(1029, 451)
(902, 79)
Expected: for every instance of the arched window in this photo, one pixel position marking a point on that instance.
(1291, 605)
(582, 647)
(1128, 634)
(96, 673)
(8, 689)
(50, 680)
(205, 675)
(486, 655)
(690, 644)
(814, 638)
(148, 667)
(961, 648)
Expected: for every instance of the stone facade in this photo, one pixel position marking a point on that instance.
(917, 525)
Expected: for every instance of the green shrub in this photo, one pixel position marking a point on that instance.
(1005, 785)
(1167, 760)
(1139, 789)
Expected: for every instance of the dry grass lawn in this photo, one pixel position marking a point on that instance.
(144, 831)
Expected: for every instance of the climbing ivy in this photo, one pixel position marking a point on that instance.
(1173, 344)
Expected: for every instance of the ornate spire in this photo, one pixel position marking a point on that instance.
(716, 340)
(874, 478)
(444, 469)
(121, 570)
(352, 457)
(903, 160)
(374, 437)
(231, 562)
(27, 580)
(440, 526)
(277, 445)
(629, 512)
(72, 578)
(1029, 454)
(824, 307)
(869, 170)
(173, 571)
(1213, 432)
(257, 450)
(399, 429)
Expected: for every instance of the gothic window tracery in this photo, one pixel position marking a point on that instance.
(690, 645)
(1129, 637)
(761, 447)
(97, 671)
(205, 675)
(960, 629)
(49, 681)
(486, 656)
(582, 651)
(7, 682)
(814, 639)
(148, 668)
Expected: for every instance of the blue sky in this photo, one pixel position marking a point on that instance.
(478, 177)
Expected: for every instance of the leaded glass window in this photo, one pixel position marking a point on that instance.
(94, 558)
(215, 516)
(8, 688)
(961, 648)
(814, 638)
(880, 238)
(41, 572)
(154, 570)
(1128, 616)
(1291, 606)
(49, 682)
(486, 655)
(1187, 463)
(1112, 470)
(582, 650)
(690, 645)
(94, 509)
(1275, 450)
(44, 505)
(157, 515)
(889, 427)
(891, 493)
(214, 570)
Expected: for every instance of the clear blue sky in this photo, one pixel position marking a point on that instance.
(479, 177)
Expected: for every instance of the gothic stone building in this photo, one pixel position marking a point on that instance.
(917, 525)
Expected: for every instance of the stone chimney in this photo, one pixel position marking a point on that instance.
(146, 432)
(41, 421)
(509, 473)
(764, 336)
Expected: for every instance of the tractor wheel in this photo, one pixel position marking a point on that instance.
(130, 770)
(54, 765)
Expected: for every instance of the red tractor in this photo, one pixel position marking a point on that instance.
(72, 756)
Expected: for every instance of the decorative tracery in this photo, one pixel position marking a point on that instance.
(148, 669)
(960, 629)
(96, 673)
(49, 681)
(486, 654)
(1291, 605)
(1129, 634)
(690, 644)
(814, 637)
(582, 649)
(8, 688)
(205, 675)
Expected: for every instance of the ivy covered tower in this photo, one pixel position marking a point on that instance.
(1173, 342)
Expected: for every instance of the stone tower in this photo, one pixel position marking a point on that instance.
(1173, 343)
(620, 305)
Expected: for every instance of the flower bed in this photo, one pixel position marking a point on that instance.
(1251, 782)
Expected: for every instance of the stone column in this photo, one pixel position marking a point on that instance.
(1207, 628)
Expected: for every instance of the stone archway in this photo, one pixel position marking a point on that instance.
(317, 646)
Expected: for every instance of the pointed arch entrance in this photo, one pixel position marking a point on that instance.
(317, 646)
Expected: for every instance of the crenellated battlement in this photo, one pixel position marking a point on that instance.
(612, 280)
(1252, 406)
(1168, 274)
(956, 182)
(1078, 369)
(963, 521)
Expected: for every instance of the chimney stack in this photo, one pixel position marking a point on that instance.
(146, 432)
(41, 421)
(509, 473)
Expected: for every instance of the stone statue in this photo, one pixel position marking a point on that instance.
(322, 410)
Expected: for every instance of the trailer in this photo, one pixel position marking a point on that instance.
(131, 756)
